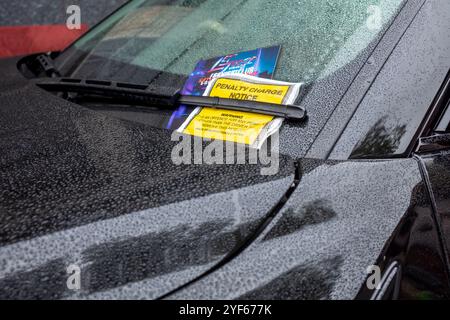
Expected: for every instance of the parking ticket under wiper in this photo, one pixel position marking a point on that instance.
(267, 102)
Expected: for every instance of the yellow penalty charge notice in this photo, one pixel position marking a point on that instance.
(236, 126)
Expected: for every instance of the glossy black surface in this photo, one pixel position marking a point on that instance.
(438, 175)
(417, 247)
(332, 228)
(79, 187)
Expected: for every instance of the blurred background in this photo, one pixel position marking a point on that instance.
(30, 26)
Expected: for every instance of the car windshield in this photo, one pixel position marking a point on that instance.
(161, 42)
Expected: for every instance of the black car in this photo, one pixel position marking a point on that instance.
(93, 206)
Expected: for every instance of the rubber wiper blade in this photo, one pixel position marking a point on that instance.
(290, 111)
(128, 92)
(164, 96)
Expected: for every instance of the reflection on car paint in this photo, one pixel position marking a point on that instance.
(313, 281)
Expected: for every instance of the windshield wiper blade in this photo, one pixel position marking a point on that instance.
(129, 92)
(289, 111)
(164, 96)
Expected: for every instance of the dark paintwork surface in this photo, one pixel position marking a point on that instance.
(78, 187)
(100, 192)
(438, 174)
(416, 245)
(353, 220)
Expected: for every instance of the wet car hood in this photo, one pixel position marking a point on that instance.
(79, 188)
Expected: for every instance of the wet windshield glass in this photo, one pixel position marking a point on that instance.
(161, 41)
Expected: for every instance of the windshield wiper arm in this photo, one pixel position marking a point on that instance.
(44, 65)
(163, 96)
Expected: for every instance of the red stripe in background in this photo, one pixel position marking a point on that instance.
(22, 40)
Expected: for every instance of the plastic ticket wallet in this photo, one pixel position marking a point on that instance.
(259, 63)
(242, 127)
